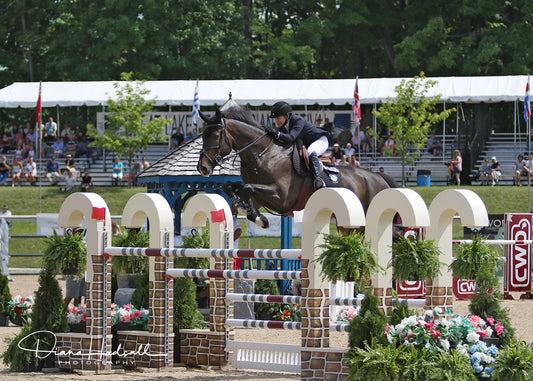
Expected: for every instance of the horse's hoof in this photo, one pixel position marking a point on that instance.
(262, 222)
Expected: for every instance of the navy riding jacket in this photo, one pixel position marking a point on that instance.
(298, 127)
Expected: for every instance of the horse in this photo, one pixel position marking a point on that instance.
(270, 178)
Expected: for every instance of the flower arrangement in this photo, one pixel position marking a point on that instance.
(440, 335)
(289, 313)
(20, 307)
(77, 314)
(130, 315)
(347, 314)
(486, 328)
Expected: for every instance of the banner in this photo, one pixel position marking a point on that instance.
(517, 273)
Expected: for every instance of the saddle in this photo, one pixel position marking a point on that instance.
(300, 161)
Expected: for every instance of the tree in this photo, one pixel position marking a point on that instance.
(128, 131)
(409, 117)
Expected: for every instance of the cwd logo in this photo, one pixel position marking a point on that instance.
(463, 288)
(519, 256)
(411, 288)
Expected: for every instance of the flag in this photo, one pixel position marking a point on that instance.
(218, 216)
(527, 103)
(98, 213)
(356, 106)
(38, 109)
(196, 106)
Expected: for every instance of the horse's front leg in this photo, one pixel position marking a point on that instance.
(231, 189)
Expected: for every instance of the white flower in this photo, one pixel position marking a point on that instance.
(437, 310)
(445, 344)
(472, 337)
(489, 331)
(462, 350)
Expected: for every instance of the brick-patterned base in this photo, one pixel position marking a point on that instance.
(442, 297)
(73, 349)
(144, 350)
(324, 364)
(201, 347)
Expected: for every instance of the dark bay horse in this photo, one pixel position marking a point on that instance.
(270, 179)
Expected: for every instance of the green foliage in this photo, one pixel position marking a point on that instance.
(514, 362)
(368, 326)
(123, 264)
(49, 312)
(415, 259)
(64, 252)
(347, 258)
(266, 287)
(196, 240)
(399, 312)
(5, 295)
(128, 130)
(25, 361)
(140, 295)
(409, 118)
(470, 257)
(380, 362)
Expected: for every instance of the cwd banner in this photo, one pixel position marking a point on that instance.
(517, 272)
(464, 288)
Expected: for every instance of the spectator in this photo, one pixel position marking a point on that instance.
(485, 172)
(71, 145)
(353, 162)
(58, 147)
(381, 170)
(19, 153)
(52, 171)
(434, 146)
(495, 172)
(177, 138)
(344, 137)
(349, 151)
(337, 155)
(188, 138)
(67, 132)
(86, 181)
(356, 141)
(118, 172)
(115, 228)
(145, 164)
(69, 164)
(83, 148)
(50, 130)
(70, 180)
(31, 171)
(135, 170)
(32, 134)
(456, 166)
(6, 144)
(389, 144)
(16, 172)
(528, 167)
(18, 135)
(520, 169)
(4, 170)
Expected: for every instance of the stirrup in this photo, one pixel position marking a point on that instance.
(319, 183)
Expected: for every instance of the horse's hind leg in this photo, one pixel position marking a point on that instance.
(245, 194)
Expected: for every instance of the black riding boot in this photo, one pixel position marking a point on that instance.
(315, 164)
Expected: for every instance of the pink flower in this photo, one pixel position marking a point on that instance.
(435, 333)
(410, 335)
(428, 325)
(482, 334)
(498, 328)
(490, 321)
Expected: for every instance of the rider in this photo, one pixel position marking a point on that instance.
(292, 127)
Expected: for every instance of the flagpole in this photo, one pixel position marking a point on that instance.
(39, 141)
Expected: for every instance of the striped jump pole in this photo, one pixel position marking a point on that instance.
(495, 242)
(233, 274)
(339, 327)
(263, 298)
(203, 253)
(267, 324)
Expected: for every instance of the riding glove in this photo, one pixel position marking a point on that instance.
(271, 132)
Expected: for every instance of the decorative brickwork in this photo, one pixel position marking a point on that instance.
(442, 297)
(201, 347)
(324, 364)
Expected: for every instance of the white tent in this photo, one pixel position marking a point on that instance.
(258, 92)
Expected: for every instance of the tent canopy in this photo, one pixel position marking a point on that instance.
(259, 92)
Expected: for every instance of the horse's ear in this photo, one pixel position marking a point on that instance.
(218, 115)
(204, 118)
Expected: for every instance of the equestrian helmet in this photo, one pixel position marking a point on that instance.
(280, 109)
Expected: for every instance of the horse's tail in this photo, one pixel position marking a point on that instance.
(389, 180)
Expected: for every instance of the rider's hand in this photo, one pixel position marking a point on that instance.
(271, 132)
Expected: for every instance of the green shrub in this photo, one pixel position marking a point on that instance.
(26, 361)
(368, 326)
(415, 259)
(5, 295)
(140, 295)
(63, 253)
(267, 287)
(127, 264)
(514, 362)
(49, 312)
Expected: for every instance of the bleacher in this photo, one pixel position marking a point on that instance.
(100, 167)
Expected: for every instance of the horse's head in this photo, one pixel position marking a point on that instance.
(215, 144)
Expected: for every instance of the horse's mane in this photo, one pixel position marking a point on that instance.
(242, 114)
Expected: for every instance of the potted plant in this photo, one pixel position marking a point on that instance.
(127, 268)
(20, 309)
(415, 259)
(5, 298)
(347, 258)
(65, 254)
(470, 257)
(77, 318)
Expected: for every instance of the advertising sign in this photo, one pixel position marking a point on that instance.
(464, 288)
(517, 274)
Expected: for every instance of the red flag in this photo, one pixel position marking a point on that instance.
(356, 106)
(38, 109)
(98, 213)
(218, 216)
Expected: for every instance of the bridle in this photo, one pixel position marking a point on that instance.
(218, 159)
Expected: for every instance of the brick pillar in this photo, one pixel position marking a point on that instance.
(438, 296)
(315, 313)
(161, 315)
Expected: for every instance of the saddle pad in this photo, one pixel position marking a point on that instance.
(331, 175)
